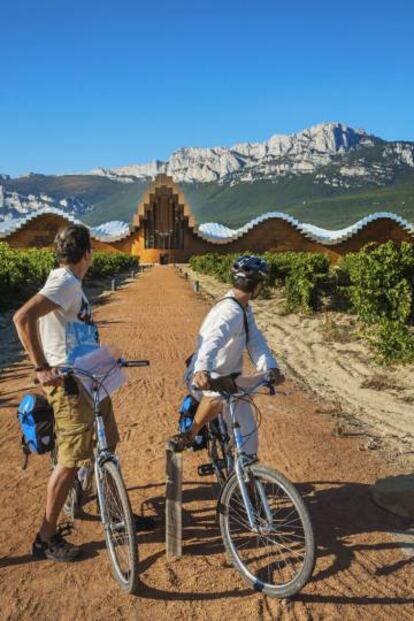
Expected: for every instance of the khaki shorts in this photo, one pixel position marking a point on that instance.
(74, 423)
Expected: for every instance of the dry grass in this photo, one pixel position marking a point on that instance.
(380, 381)
(338, 329)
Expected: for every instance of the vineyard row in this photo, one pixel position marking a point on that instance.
(22, 272)
(376, 283)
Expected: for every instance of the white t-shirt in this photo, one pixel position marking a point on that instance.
(69, 331)
(222, 341)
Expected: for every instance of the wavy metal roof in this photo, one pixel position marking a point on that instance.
(108, 232)
(212, 232)
(219, 234)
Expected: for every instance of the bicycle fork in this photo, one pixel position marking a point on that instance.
(100, 459)
(100, 491)
(98, 480)
(243, 478)
(102, 456)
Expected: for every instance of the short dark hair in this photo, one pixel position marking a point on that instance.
(71, 243)
(247, 285)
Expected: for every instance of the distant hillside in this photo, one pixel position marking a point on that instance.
(302, 198)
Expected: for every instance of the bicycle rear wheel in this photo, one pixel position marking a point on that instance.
(119, 527)
(276, 556)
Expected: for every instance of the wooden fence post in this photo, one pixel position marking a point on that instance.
(173, 509)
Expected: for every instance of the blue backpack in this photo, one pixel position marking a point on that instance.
(187, 411)
(36, 420)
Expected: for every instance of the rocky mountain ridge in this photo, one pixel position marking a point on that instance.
(306, 152)
(330, 175)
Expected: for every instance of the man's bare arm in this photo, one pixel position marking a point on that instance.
(25, 320)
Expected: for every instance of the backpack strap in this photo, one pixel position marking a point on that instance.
(26, 453)
(245, 321)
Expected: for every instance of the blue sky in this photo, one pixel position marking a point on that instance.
(87, 84)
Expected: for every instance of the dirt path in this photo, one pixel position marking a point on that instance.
(361, 572)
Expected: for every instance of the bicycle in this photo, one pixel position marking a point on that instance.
(264, 522)
(112, 496)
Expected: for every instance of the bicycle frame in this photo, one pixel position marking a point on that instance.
(103, 453)
(242, 461)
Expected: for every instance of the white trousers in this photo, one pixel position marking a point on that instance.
(248, 428)
(244, 415)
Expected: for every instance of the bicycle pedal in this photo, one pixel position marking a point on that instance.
(204, 470)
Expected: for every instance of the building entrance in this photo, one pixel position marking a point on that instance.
(164, 221)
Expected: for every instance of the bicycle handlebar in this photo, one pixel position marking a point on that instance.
(226, 385)
(65, 370)
(133, 363)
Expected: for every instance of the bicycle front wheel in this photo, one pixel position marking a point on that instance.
(72, 505)
(119, 527)
(276, 555)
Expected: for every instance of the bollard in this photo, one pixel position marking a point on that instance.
(113, 284)
(173, 509)
(196, 286)
(185, 275)
(132, 273)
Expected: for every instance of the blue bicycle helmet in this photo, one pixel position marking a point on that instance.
(251, 267)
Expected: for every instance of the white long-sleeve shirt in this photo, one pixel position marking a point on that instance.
(222, 340)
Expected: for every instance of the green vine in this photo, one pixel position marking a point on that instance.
(377, 283)
(22, 272)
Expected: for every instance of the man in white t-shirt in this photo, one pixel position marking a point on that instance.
(55, 326)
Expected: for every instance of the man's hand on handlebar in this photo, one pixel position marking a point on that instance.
(276, 377)
(201, 380)
(49, 377)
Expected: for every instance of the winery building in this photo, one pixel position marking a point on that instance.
(163, 230)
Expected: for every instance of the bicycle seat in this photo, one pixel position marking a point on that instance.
(225, 383)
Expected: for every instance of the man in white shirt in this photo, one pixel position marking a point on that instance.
(226, 332)
(55, 326)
